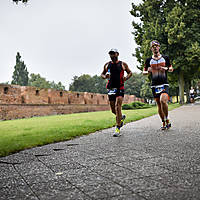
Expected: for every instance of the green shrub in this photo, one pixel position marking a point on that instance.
(127, 107)
(135, 105)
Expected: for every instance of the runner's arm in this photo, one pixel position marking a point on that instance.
(171, 69)
(147, 68)
(145, 72)
(128, 71)
(103, 74)
(168, 65)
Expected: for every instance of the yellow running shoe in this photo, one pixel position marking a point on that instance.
(117, 132)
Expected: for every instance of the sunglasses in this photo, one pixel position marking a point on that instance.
(155, 45)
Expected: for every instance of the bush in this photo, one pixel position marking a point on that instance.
(127, 107)
(135, 105)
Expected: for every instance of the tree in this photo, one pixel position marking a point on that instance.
(81, 84)
(20, 74)
(175, 23)
(99, 85)
(183, 36)
(6, 83)
(36, 80)
(134, 84)
(86, 83)
(57, 86)
(145, 91)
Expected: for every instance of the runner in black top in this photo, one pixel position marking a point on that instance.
(192, 95)
(158, 65)
(114, 72)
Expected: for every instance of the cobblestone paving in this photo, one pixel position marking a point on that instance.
(145, 163)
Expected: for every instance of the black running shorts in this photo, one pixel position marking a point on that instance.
(155, 95)
(118, 93)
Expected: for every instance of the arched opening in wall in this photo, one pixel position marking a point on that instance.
(103, 97)
(77, 95)
(22, 99)
(92, 96)
(37, 93)
(49, 100)
(61, 94)
(69, 102)
(5, 90)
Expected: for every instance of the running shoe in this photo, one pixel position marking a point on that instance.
(168, 124)
(117, 132)
(122, 120)
(163, 127)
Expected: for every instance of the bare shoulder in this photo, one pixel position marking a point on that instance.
(106, 64)
(105, 68)
(125, 64)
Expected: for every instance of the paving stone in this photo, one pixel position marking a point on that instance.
(127, 197)
(90, 181)
(7, 170)
(105, 190)
(19, 192)
(38, 178)
(57, 190)
(171, 194)
(12, 182)
(143, 168)
(179, 180)
(18, 158)
(31, 168)
(65, 167)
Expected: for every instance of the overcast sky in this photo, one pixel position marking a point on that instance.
(62, 38)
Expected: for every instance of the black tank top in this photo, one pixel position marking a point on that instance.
(116, 75)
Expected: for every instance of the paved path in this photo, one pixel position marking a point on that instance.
(144, 163)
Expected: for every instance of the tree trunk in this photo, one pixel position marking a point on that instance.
(181, 87)
(187, 90)
(177, 95)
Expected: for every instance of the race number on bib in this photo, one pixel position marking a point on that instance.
(112, 91)
(159, 89)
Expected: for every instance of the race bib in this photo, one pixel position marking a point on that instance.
(112, 91)
(159, 89)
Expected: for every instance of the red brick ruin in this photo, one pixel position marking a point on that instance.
(24, 102)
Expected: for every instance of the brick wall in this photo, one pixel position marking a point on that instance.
(10, 94)
(11, 111)
(24, 101)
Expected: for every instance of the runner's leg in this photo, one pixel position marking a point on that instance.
(119, 101)
(112, 106)
(160, 112)
(164, 106)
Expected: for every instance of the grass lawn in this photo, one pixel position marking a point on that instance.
(21, 134)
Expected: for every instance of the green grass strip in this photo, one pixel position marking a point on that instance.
(16, 135)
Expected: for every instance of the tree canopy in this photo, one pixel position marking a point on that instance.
(87, 83)
(21, 77)
(36, 80)
(176, 25)
(20, 74)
